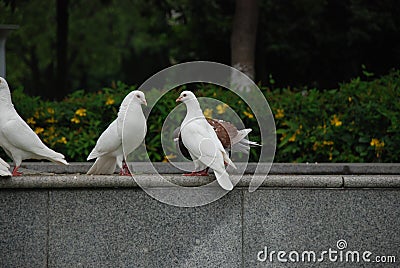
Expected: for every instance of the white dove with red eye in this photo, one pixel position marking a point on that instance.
(17, 139)
(130, 124)
(4, 168)
(202, 142)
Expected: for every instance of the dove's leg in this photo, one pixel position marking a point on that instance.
(203, 172)
(15, 171)
(125, 170)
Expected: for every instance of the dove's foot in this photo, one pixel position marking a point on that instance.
(15, 172)
(125, 173)
(125, 170)
(198, 173)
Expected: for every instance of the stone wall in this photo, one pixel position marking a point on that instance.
(73, 220)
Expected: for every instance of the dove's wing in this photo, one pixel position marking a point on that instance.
(19, 135)
(207, 150)
(109, 141)
(201, 143)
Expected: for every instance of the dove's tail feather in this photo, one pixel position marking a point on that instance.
(250, 143)
(240, 135)
(104, 165)
(240, 148)
(223, 179)
(228, 160)
(4, 163)
(5, 172)
(53, 156)
(93, 154)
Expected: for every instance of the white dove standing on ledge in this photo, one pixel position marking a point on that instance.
(109, 150)
(17, 139)
(4, 168)
(202, 142)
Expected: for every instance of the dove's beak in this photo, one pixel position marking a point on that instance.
(145, 102)
(179, 99)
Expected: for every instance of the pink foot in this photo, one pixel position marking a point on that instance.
(15, 171)
(197, 173)
(125, 170)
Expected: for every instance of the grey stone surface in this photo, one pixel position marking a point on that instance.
(127, 228)
(113, 181)
(314, 220)
(154, 181)
(275, 169)
(376, 181)
(23, 228)
(295, 181)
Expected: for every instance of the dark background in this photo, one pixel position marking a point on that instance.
(66, 45)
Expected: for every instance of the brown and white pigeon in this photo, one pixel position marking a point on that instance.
(201, 141)
(17, 139)
(232, 139)
(110, 147)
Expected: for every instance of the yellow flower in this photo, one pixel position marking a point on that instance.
(62, 140)
(221, 108)
(327, 142)
(168, 157)
(208, 113)
(110, 101)
(81, 112)
(350, 99)
(315, 146)
(335, 121)
(50, 110)
(280, 113)
(39, 130)
(31, 121)
(51, 120)
(377, 143)
(36, 114)
(249, 115)
(293, 138)
(75, 120)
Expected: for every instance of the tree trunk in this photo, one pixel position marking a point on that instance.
(243, 38)
(60, 89)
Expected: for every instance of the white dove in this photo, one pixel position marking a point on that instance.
(17, 139)
(131, 124)
(202, 142)
(4, 168)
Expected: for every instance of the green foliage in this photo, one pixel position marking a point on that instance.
(358, 122)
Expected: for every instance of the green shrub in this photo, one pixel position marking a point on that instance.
(358, 122)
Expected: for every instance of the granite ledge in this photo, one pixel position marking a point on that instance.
(155, 181)
(246, 168)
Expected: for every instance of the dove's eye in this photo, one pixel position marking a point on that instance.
(138, 96)
(184, 95)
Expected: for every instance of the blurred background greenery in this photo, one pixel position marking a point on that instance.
(328, 68)
(357, 122)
